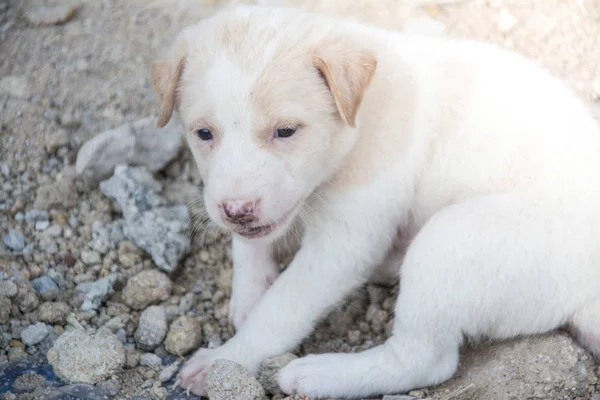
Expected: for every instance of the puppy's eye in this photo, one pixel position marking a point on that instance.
(204, 134)
(285, 131)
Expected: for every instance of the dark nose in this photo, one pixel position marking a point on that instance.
(240, 211)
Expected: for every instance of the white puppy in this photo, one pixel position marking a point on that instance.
(486, 166)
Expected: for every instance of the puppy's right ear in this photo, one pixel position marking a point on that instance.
(165, 77)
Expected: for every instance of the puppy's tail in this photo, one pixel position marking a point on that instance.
(585, 325)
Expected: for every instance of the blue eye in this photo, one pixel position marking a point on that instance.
(204, 134)
(286, 131)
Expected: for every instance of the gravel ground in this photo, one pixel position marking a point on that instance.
(102, 291)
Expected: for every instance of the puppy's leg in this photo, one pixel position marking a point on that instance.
(586, 326)
(334, 259)
(254, 271)
(493, 266)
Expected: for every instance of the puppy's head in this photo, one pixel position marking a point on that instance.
(269, 98)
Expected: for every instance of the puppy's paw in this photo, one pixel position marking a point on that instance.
(313, 375)
(245, 296)
(192, 375)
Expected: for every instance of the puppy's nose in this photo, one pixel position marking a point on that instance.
(240, 211)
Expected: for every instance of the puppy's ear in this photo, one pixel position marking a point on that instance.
(165, 77)
(348, 71)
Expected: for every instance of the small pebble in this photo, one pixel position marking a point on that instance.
(46, 287)
(8, 289)
(152, 328)
(34, 334)
(185, 335)
(14, 240)
(227, 380)
(150, 360)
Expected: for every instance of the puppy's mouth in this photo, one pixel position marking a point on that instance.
(253, 231)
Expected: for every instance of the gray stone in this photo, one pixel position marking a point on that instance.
(61, 193)
(14, 240)
(42, 225)
(168, 372)
(15, 86)
(32, 216)
(139, 143)
(96, 292)
(267, 375)
(150, 360)
(46, 287)
(56, 140)
(54, 312)
(152, 328)
(185, 335)
(227, 380)
(146, 288)
(34, 334)
(90, 258)
(547, 367)
(46, 15)
(8, 289)
(80, 357)
(398, 397)
(161, 231)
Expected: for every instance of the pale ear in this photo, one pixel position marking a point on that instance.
(348, 72)
(165, 77)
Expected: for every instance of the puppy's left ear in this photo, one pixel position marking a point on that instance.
(165, 78)
(348, 71)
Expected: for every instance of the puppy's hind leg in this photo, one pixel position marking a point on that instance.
(585, 325)
(481, 269)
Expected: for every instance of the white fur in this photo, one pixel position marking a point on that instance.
(488, 166)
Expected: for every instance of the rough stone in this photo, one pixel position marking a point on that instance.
(227, 380)
(15, 86)
(269, 369)
(159, 230)
(34, 334)
(27, 299)
(46, 287)
(139, 143)
(81, 391)
(14, 240)
(152, 328)
(546, 367)
(29, 382)
(185, 335)
(96, 292)
(61, 193)
(150, 360)
(56, 140)
(146, 288)
(54, 312)
(80, 357)
(90, 258)
(8, 289)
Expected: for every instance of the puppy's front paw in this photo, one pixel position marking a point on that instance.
(192, 375)
(311, 376)
(245, 295)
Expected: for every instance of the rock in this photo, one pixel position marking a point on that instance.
(96, 292)
(34, 334)
(424, 25)
(42, 225)
(506, 21)
(227, 380)
(185, 335)
(8, 289)
(146, 288)
(54, 312)
(16, 354)
(159, 230)
(267, 375)
(15, 86)
(27, 299)
(46, 287)
(44, 16)
(545, 367)
(29, 382)
(90, 258)
(80, 357)
(56, 140)
(35, 215)
(139, 143)
(5, 306)
(152, 328)
(168, 372)
(150, 360)
(14, 240)
(81, 391)
(111, 387)
(398, 397)
(61, 193)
